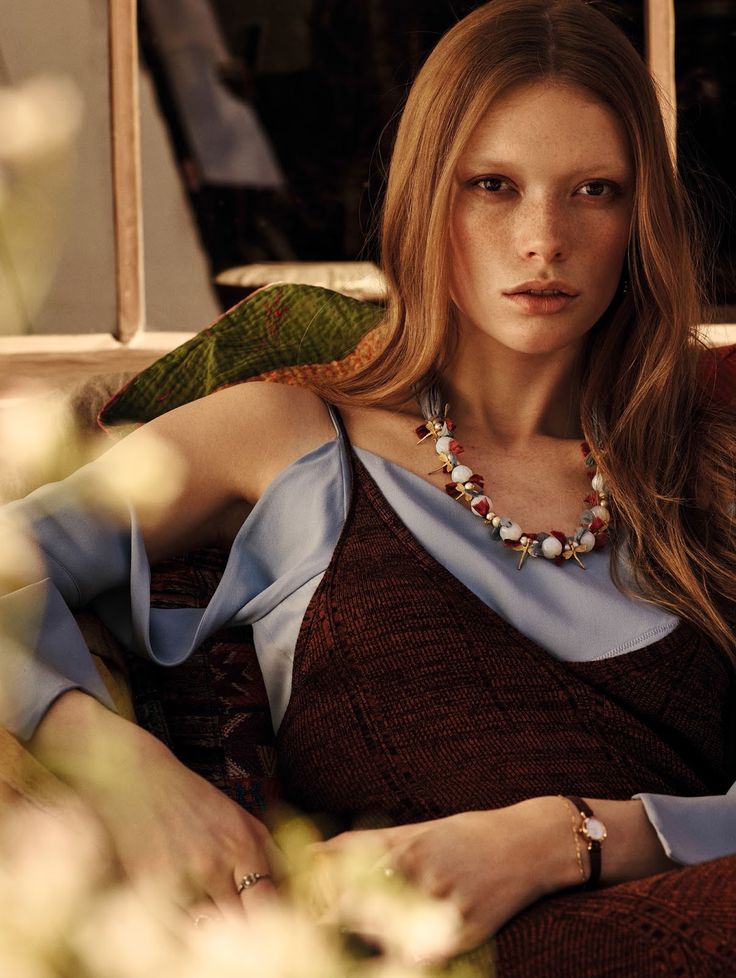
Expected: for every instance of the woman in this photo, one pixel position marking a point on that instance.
(542, 282)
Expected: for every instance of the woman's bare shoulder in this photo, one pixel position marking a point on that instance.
(251, 431)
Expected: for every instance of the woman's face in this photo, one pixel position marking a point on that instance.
(543, 201)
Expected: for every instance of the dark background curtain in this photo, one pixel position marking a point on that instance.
(327, 79)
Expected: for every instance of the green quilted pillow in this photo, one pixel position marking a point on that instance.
(286, 333)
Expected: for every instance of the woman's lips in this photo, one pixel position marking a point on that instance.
(540, 304)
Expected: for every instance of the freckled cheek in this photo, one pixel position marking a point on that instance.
(608, 251)
(460, 261)
(474, 257)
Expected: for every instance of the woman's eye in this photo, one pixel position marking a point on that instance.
(593, 188)
(600, 188)
(491, 184)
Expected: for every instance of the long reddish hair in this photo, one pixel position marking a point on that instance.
(666, 447)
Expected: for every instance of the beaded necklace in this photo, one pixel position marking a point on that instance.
(468, 486)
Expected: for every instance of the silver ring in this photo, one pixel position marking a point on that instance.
(250, 879)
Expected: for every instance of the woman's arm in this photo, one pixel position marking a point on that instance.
(492, 864)
(172, 833)
(87, 538)
(631, 850)
(164, 821)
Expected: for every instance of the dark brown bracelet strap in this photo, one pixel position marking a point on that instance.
(593, 832)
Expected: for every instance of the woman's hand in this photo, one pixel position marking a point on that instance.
(171, 831)
(488, 864)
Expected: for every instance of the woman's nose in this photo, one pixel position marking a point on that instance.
(542, 231)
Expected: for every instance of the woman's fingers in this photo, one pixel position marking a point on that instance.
(257, 873)
(225, 894)
(255, 889)
(231, 895)
(179, 840)
(203, 913)
(222, 872)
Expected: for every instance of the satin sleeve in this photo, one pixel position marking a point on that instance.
(44, 653)
(693, 830)
(92, 561)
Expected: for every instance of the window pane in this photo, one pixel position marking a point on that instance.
(70, 39)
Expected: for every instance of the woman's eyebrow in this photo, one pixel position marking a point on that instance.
(484, 163)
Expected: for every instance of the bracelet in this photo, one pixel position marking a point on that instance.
(594, 833)
(576, 839)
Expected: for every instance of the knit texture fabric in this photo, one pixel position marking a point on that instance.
(412, 700)
(680, 924)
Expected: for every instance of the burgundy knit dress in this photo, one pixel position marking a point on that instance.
(413, 700)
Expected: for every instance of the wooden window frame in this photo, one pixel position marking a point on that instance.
(130, 338)
(129, 346)
(126, 165)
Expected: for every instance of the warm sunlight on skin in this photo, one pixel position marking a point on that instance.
(64, 912)
(544, 192)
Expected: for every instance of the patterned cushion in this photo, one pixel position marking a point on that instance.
(212, 710)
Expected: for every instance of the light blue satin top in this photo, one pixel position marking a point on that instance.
(275, 564)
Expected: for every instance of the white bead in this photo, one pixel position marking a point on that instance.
(602, 513)
(597, 482)
(442, 445)
(512, 532)
(461, 473)
(551, 547)
(480, 502)
(587, 540)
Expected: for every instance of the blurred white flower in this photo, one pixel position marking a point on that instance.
(350, 888)
(39, 121)
(40, 115)
(63, 914)
(123, 937)
(50, 869)
(143, 469)
(408, 926)
(39, 441)
(280, 942)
